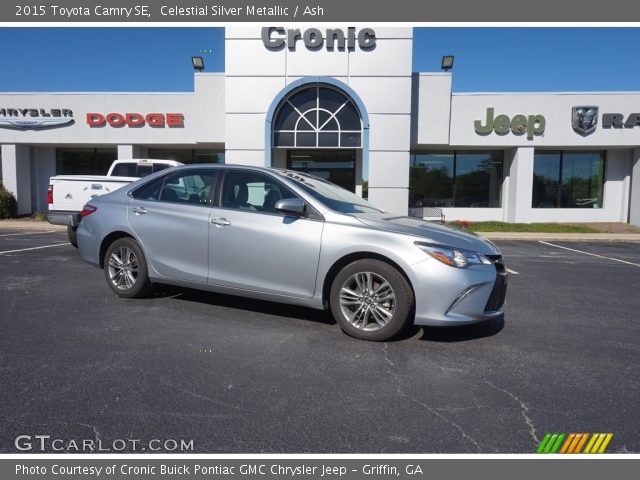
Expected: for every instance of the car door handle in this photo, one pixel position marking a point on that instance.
(140, 210)
(223, 222)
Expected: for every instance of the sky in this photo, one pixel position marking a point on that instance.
(159, 58)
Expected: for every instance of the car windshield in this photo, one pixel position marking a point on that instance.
(333, 196)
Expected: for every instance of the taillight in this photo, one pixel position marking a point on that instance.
(87, 210)
(50, 194)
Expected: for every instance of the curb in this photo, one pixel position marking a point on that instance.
(524, 236)
(571, 237)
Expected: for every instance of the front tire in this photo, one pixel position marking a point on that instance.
(125, 269)
(371, 300)
(72, 235)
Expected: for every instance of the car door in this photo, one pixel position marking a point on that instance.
(255, 247)
(170, 216)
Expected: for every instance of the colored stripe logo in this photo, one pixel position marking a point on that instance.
(574, 443)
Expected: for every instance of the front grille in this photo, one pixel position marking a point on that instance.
(499, 292)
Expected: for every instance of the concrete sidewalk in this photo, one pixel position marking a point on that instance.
(29, 224)
(576, 237)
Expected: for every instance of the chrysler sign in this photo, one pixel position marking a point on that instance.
(35, 118)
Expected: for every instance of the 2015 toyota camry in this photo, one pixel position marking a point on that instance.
(289, 237)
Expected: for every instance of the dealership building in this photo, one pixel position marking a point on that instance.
(343, 103)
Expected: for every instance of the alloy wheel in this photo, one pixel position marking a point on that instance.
(123, 268)
(367, 301)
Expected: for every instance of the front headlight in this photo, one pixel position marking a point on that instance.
(453, 257)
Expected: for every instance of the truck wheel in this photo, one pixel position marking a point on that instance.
(125, 269)
(73, 237)
(371, 300)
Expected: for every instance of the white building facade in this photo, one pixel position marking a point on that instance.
(343, 103)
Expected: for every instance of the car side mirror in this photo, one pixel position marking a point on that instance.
(295, 206)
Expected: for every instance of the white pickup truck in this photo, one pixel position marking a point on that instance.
(67, 194)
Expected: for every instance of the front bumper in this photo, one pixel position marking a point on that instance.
(70, 219)
(448, 296)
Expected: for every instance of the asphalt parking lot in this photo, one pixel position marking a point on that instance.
(243, 376)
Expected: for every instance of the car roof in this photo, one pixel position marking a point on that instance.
(281, 171)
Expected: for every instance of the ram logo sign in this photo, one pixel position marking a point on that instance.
(584, 119)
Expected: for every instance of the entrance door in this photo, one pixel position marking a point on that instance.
(336, 166)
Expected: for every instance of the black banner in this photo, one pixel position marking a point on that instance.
(306, 469)
(269, 11)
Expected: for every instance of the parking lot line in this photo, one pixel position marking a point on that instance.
(592, 254)
(26, 233)
(34, 248)
(512, 271)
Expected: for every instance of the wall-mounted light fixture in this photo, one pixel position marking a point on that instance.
(198, 64)
(447, 63)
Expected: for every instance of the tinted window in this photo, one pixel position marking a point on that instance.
(582, 179)
(431, 180)
(546, 179)
(150, 191)
(191, 187)
(478, 179)
(188, 155)
(124, 170)
(84, 161)
(317, 116)
(331, 195)
(134, 169)
(568, 180)
(160, 166)
(144, 170)
(252, 191)
(456, 179)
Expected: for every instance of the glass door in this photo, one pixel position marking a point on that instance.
(336, 166)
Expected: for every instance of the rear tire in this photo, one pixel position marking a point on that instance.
(371, 300)
(72, 235)
(125, 269)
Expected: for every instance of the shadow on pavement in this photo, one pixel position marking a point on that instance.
(463, 333)
(430, 334)
(243, 303)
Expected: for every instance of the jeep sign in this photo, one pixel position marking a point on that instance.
(518, 125)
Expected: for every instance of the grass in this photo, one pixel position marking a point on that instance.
(39, 217)
(523, 227)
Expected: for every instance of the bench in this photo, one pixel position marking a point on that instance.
(427, 213)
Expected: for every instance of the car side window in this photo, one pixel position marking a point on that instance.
(144, 170)
(189, 187)
(253, 191)
(124, 170)
(160, 166)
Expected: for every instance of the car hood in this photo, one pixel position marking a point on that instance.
(430, 232)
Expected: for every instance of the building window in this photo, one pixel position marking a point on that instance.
(84, 161)
(456, 179)
(336, 166)
(568, 179)
(317, 117)
(187, 155)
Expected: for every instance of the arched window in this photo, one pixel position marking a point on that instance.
(317, 117)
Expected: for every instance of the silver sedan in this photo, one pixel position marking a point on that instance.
(289, 237)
